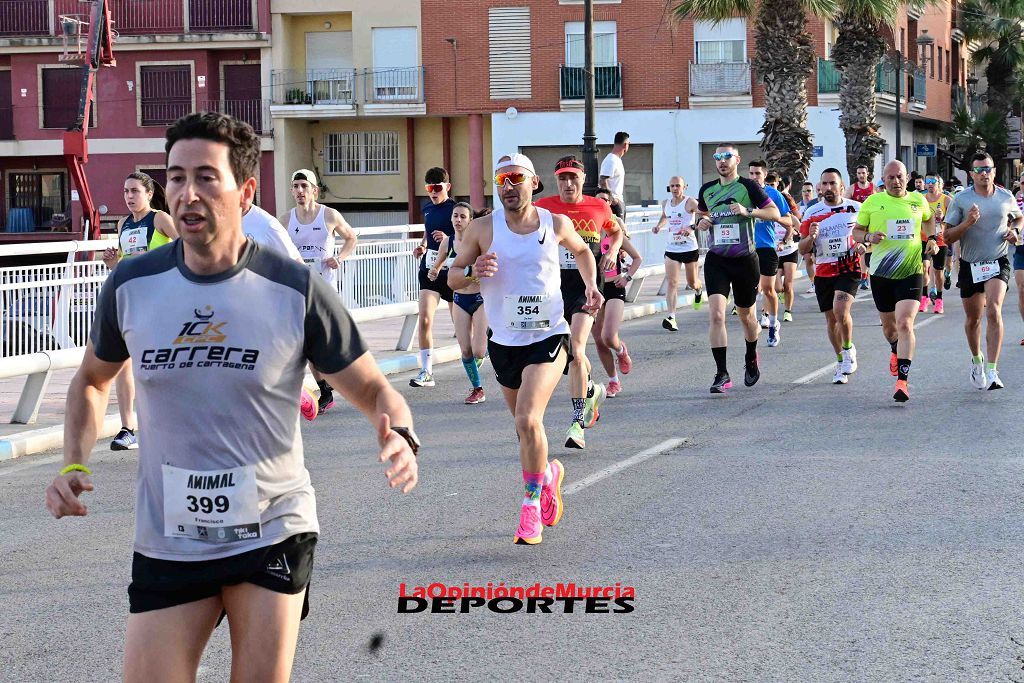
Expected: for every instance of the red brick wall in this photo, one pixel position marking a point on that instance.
(654, 49)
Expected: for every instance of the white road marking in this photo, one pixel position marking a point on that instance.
(623, 464)
(808, 378)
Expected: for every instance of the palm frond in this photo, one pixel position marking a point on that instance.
(714, 11)
(875, 11)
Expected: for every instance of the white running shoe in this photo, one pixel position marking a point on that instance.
(850, 360)
(839, 377)
(774, 335)
(978, 374)
(765, 320)
(424, 379)
(992, 379)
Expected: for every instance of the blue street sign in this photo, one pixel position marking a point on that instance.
(926, 150)
(817, 151)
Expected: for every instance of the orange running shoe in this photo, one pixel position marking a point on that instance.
(902, 392)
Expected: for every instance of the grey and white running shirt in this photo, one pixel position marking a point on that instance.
(218, 363)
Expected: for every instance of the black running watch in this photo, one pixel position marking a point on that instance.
(410, 438)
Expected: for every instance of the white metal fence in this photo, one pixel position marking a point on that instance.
(51, 307)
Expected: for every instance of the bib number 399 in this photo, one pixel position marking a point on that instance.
(213, 506)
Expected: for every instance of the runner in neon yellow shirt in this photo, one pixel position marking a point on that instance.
(893, 221)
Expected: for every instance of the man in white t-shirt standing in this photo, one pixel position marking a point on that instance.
(265, 229)
(613, 174)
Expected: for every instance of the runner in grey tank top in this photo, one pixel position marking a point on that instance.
(513, 254)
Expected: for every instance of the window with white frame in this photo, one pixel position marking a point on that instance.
(721, 43)
(361, 153)
(605, 44)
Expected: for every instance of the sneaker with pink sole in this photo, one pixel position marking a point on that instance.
(551, 507)
(924, 304)
(613, 389)
(530, 529)
(938, 306)
(625, 362)
(307, 405)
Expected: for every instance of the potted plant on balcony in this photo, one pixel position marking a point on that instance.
(293, 96)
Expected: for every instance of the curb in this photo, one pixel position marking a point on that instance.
(48, 438)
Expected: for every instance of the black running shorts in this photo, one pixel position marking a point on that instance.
(612, 291)
(740, 274)
(510, 361)
(683, 256)
(825, 288)
(440, 285)
(792, 257)
(887, 292)
(767, 261)
(965, 280)
(285, 567)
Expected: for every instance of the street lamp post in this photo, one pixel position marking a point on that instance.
(894, 61)
(589, 136)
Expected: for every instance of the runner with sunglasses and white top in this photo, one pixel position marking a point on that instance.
(682, 251)
(984, 219)
(514, 255)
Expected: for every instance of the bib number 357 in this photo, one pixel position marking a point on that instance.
(214, 506)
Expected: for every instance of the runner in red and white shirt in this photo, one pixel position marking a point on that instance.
(858, 192)
(827, 230)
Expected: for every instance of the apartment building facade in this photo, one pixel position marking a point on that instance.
(677, 87)
(173, 57)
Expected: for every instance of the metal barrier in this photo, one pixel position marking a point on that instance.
(48, 309)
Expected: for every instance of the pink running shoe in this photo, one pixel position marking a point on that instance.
(476, 396)
(924, 304)
(625, 362)
(614, 389)
(551, 496)
(530, 529)
(938, 306)
(307, 405)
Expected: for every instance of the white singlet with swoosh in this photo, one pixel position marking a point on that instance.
(527, 267)
(315, 242)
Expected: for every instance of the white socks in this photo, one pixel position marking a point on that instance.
(427, 360)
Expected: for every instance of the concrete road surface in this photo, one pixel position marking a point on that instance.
(788, 532)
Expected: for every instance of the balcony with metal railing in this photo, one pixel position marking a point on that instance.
(25, 18)
(724, 81)
(958, 96)
(314, 93)
(254, 112)
(42, 18)
(607, 82)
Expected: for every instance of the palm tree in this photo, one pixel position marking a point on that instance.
(784, 58)
(857, 53)
(968, 134)
(999, 26)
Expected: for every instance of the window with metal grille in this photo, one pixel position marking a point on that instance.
(60, 98)
(165, 93)
(361, 153)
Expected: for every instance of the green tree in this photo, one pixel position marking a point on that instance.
(784, 59)
(999, 26)
(968, 134)
(862, 25)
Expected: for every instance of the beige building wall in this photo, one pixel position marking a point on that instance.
(293, 18)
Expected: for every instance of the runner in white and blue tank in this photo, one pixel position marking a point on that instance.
(313, 227)
(225, 513)
(514, 254)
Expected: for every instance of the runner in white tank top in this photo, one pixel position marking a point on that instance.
(523, 300)
(682, 250)
(314, 242)
(513, 254)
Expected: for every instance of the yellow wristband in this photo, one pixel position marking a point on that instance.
(76, 467)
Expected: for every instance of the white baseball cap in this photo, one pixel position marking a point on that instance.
(521, 160)
(305, 174)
